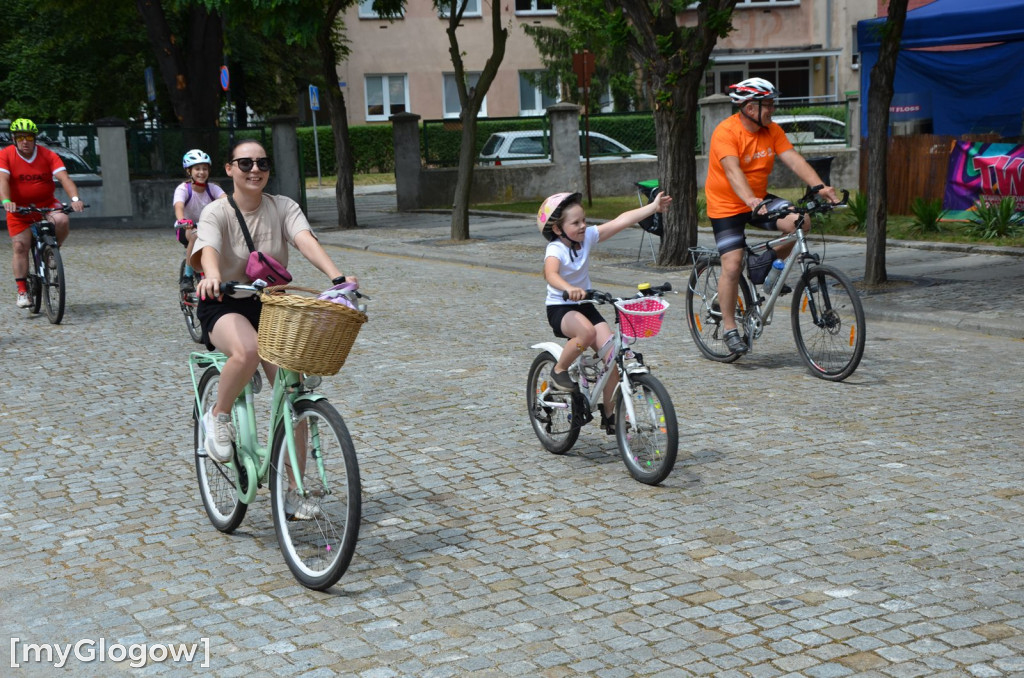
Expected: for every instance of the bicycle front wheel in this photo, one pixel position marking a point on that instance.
(649, 443)
(53, 285)
(828, 323)
(216, 480)
(189, 306)
(703, 315)
(318, 532)
(550, 410)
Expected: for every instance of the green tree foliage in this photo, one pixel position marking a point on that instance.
(61, 60)
(584, 25)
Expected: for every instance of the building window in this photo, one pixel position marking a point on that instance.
(472, 9)
(533, 101)
(386, 95)
(366, 11)
(452, 107)
(535, 7)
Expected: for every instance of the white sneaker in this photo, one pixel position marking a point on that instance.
(23, 300)
(300, 508)
(220, 434)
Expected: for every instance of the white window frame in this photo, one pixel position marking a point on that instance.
(538, 107)
(473, 77)
(385, 82)
(533, 11)
(470, 12)
(366, 11)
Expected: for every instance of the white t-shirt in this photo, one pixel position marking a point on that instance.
(573, 269)
(200, 199)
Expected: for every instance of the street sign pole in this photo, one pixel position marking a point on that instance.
(314, 106)
(583, 67)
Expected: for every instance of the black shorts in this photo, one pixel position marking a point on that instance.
(209, 312)
(558, 311)
(729, 230)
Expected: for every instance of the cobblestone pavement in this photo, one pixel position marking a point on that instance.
(869, 528)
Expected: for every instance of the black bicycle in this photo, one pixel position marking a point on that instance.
(46, 272)
(187, 299)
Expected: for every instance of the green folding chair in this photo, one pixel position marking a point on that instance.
(652, 225)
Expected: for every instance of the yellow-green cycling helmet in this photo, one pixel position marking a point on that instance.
(24, 125)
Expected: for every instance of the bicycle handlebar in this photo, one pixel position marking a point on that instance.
(810, 205)
(32, 209)
(599, 297)
(257, 286)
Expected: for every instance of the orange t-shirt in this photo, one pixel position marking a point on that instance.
(756, 152)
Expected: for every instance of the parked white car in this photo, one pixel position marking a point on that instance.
(812, 130)
(531, 146)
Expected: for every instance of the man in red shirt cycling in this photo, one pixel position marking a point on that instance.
(741, 156)
(27, 172)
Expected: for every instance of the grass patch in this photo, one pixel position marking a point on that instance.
(841, 222)
(357, 180)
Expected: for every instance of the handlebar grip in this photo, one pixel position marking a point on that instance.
(589, 295)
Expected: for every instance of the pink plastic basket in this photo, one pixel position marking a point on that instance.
(641, 318)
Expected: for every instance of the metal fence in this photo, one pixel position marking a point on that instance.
(156, 151)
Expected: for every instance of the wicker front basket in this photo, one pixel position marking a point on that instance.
(305, 334)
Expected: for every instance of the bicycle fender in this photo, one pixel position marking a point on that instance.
(311, 397)
(550, 347)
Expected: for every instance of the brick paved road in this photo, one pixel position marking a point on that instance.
(867, 528)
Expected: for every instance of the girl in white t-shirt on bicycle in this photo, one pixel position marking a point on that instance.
(190, 197)
(561, 221)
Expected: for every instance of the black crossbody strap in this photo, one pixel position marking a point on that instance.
(241, 222)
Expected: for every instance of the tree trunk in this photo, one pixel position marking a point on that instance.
(677, 169)
(471, 99)
(880, 93)
(344, 192)
(464, 179)
(189, 74)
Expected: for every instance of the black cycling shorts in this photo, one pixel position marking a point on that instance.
(557, 312)
(729, 230)
(210, 311)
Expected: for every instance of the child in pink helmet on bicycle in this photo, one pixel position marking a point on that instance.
(561, 221)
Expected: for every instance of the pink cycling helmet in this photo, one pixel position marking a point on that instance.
(551, 210)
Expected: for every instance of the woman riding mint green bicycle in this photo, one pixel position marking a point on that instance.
(311, 462)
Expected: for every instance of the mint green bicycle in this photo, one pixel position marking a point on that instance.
(315, 491)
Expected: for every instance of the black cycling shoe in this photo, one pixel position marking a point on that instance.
(562, 381)
(186, 285)
(734, 342)
(784, 290)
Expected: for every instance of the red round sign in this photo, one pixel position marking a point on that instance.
(225, 79)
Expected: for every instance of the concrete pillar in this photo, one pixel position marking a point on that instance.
(116, 190)
(713, 110)
(405, 135)
(853, 119)
(287, 170)
(565, 147)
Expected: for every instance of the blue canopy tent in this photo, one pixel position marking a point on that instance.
(965, 88)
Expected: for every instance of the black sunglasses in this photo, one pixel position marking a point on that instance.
(245, 164)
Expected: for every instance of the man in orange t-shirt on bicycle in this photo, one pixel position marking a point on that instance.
(27, 173)
(742, 153)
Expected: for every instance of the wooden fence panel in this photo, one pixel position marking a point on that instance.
(918, 165)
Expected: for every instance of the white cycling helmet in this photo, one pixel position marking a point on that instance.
(752, 89)
(195, 157)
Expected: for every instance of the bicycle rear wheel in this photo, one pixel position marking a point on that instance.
(828, 323)
(317, 533)
(53, 285)
(553, 425)
(703, 315)
(216, 481)
(650, 442)
(189, 306)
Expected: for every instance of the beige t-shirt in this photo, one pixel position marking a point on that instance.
(273, 225)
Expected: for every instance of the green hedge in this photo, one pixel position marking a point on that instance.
(372, 149)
